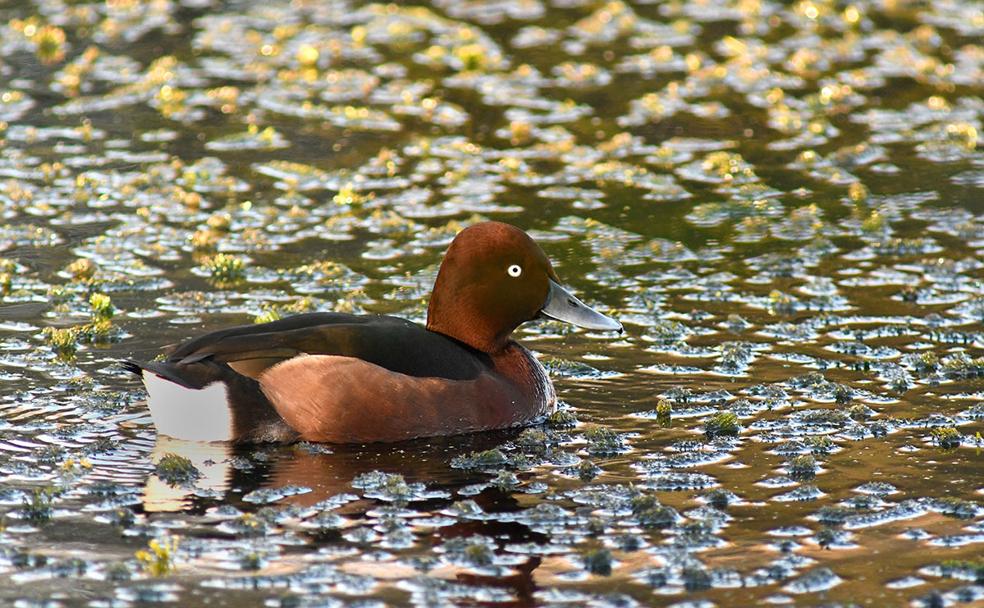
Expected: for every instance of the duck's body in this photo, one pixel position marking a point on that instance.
(312, 376)
(345, 378)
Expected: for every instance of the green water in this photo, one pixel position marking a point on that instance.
(781, 202)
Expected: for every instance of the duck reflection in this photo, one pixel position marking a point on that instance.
(212, 460)
(230, 472)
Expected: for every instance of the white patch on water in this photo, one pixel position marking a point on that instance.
(187, 413)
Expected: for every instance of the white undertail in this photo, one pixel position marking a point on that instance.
(186, 413)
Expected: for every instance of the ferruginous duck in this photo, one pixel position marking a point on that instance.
(343, 378)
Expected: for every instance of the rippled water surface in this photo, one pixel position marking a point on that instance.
(781, 201)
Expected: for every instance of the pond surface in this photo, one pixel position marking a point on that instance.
(782, 202)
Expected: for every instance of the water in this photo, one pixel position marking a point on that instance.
(781, 203)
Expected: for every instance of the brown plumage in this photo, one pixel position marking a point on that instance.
(361, 378)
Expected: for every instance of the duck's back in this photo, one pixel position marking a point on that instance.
(393, 343)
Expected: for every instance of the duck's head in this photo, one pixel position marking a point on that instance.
(495, 277)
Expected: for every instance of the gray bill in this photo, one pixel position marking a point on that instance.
(563, 306)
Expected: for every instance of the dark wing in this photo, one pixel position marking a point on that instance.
(390, 342)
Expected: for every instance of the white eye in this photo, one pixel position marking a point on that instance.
(514, 270)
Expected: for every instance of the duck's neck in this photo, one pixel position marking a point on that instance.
(454, 320)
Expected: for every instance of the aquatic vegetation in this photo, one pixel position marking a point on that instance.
(958, 507)
(225, 269)
(480, 460)
(802, 467)
(799, 277)
(720, 498)
(664, 411)
(82, 269)
(158, 559)
(64, 341)
(724, 424)
(946, 436)
(37, 508)
(664, 408)
(963, 569)
(176, 470)
(814, 580)
(603, 441)
(648, 511)
(253, 139)
(102, 308)
(597, 561)
(587, 470)
(962, 366)
(562, 418)
(273, 312)
(535, 441)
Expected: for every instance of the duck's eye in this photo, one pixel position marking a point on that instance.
(514, 270)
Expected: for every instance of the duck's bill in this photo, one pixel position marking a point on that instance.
(563, 306)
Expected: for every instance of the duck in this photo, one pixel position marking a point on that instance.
(333, 377)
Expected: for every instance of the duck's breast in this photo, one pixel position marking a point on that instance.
(522, 369)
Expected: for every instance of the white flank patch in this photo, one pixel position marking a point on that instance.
(187, 413)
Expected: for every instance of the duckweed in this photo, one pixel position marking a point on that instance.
(533, 439)
(587, 470)
(719, 498)
(819, 444)
(958, 507)
(472, 551)
(951, 567)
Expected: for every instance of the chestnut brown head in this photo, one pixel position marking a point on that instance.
(494, 277)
